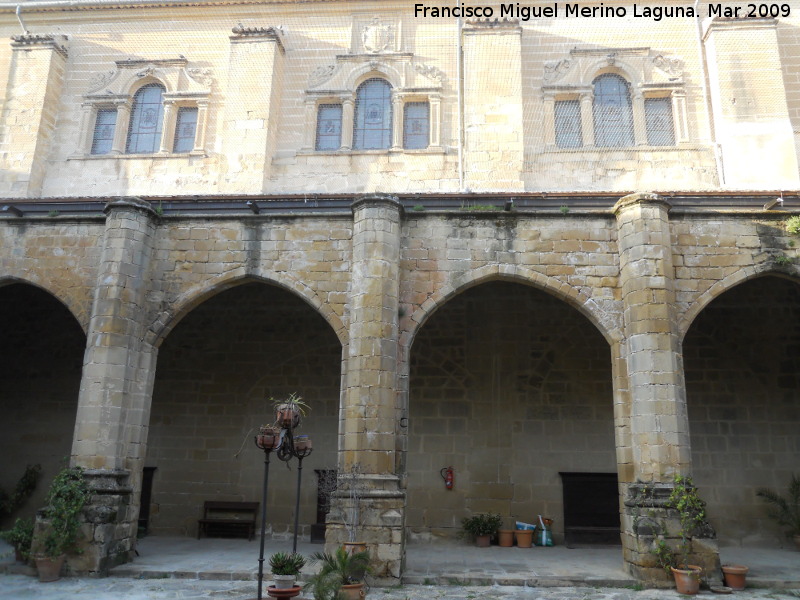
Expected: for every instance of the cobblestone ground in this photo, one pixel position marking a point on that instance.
(19, 587)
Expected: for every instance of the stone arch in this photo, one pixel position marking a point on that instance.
(68, 303)
(722, 286)
(362, 73)
(618, 67)
(606, 324)
(170, 317)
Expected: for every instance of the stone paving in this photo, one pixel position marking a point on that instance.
(21, 587)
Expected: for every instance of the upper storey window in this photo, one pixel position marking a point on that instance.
(613, 115)
(373, 117)
(146, 107)
(147, 118)
(614, 98)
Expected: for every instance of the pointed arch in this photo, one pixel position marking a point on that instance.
(183, 305)
(69, 303)
(607, 324)
(722, 286)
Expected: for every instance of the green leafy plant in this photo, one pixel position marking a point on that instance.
(337, 569)
(564, 209)
(418, 207)
(793, 225)
(20, 536)
(286, 563)
(482, 524)
(782, 260)
(293, 402)
(784, 509)
(160, 209)
(53, 213)
(480, 207)
(691, 509)
(68, 494)
(22, 490)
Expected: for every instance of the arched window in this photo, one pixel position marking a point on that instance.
(613, 116)
(147, 117)
(372, 128)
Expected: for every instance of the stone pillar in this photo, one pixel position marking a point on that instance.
(348, 121)
(750, 109)
(494, 147)
(639, 121)
(35, 80)
(255, 84)
(369, 412)
(587, 118)
(116, 386)
(649, 374)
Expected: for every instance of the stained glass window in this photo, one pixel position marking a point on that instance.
(147, 117)
(373, 115)
(329, 127)
(185, 129)
(104, 127)
(658, 119)
(613, 117)
(416, 124)
(568, 124)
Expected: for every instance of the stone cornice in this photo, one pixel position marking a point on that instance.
(93, 5)
(43, 40)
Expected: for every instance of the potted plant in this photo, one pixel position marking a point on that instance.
(691, 513)
(785, 510)
(285, 568)
(482, 527)
(269, 436)
(735, 576)
(68, 494)
(341, 575)
(20, 536)
(289, 411)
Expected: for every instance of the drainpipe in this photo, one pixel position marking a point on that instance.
(459, 86)
(706, 96)
(21, 22)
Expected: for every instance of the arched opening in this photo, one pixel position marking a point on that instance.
(510, 386)
(742, 364)
(41, 356)
(216, 370)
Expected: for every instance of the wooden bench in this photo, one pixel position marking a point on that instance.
(228, 519)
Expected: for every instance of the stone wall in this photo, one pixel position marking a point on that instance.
(509, 386)
(742, 377)
(216, 371)
(40, 372)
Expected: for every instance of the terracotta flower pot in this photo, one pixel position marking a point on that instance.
(483, 541)
(354, 547)
(353, 591)
(524, 538)
(735, 576)
(282, 594)
(687, 579)
(506, 538)
(49, 568)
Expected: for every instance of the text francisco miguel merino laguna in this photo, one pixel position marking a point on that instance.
(554, 10)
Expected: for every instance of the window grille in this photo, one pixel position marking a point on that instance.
(373, 115)
(613, 116)
(147, 117)
(104, 126)
(329, 127)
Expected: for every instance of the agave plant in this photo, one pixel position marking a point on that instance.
(785, 510)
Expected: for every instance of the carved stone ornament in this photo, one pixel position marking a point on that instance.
(322, 74)
(611, 59)
(149, 70)
(201, 75)
(245, 31)
(377, 36)
(100, 80)
(429, 71)
(556, 69)
(670, 66)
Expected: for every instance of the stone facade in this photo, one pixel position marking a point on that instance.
(506, 307)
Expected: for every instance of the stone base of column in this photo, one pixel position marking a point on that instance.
(646, 519)
(381, 525)
(109, 530)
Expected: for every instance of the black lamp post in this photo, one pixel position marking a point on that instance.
(280, 438)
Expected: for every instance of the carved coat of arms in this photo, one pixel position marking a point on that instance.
(376, 36)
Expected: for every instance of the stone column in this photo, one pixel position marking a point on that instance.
(650, 377)
(35, 81)
(369, 412)
(348, 121)
(587, 118)
(116, 386)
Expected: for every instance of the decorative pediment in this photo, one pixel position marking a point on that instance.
(643, 67)
(399, 69)
(176, 75)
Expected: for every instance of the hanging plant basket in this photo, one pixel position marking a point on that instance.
(268, 437)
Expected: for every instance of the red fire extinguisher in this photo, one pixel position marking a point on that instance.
(447, 475)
